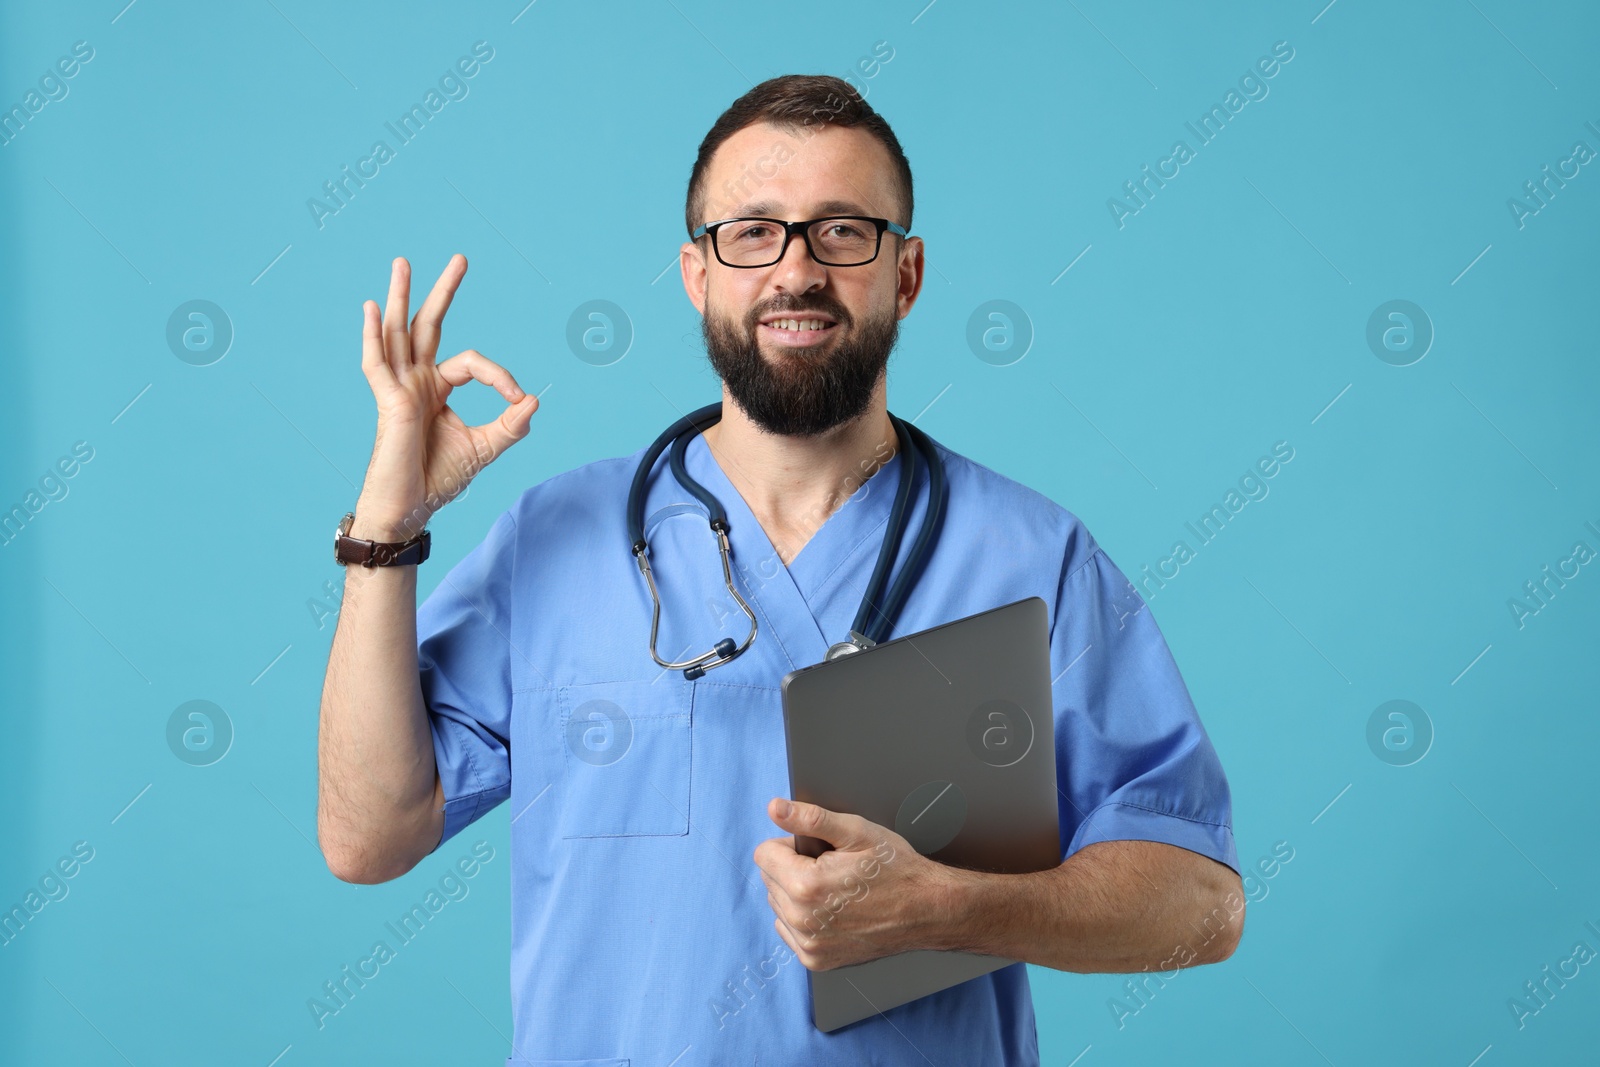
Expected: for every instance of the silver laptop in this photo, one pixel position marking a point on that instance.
(947, 737)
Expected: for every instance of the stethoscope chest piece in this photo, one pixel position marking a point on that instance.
(858, 643)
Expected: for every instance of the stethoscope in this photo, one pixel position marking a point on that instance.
(872, 624)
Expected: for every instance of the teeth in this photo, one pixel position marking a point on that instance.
(798, 324)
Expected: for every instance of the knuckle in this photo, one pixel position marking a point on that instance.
(807, 887)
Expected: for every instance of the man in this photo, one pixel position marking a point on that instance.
(656, 917)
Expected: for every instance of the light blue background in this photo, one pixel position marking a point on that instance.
(1227, 315)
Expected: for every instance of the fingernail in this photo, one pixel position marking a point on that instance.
(783, 808)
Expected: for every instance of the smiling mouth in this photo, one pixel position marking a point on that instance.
(798, 330)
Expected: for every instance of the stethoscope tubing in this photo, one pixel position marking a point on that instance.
(876, 615)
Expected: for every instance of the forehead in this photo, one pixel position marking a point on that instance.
(800, 173)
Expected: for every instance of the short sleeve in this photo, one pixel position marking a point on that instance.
(1132, 759)
(464, 656)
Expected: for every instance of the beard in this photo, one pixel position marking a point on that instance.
(801, 392)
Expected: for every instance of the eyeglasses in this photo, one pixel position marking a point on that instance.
(836, 241)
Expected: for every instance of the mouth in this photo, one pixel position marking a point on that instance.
(797, 330)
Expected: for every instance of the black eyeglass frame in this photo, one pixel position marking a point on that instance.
(801, 228)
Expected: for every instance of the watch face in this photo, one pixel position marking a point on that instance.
(339, 533)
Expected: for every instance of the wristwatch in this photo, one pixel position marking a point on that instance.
(347, 549)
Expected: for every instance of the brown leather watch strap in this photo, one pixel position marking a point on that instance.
(347, 549)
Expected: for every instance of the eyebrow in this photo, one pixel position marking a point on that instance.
(827, 207)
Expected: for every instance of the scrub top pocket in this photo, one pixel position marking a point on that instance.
(625, 758)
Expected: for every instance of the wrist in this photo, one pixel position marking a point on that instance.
(988, 912)
(944, 907)
(952, 899)
(374, 523)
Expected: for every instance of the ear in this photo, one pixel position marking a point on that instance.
(692, 264)
(908, 275)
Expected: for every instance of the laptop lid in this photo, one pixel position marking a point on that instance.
(947, 737)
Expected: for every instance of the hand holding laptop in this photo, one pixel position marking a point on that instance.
(869, 895)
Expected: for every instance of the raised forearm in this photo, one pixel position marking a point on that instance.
(377, 784)
(1111, 906)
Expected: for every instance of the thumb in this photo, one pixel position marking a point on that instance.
(840, 829)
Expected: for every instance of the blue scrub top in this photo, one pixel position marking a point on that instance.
(640, 925)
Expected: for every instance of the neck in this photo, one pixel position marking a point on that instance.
(793, 484)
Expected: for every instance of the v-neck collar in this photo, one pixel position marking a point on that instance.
(861, 518)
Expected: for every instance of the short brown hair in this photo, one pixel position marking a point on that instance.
(795, 101)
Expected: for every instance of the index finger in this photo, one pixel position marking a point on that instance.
(429, 320)
(777, 857)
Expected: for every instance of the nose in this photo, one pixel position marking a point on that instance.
(797, 271)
